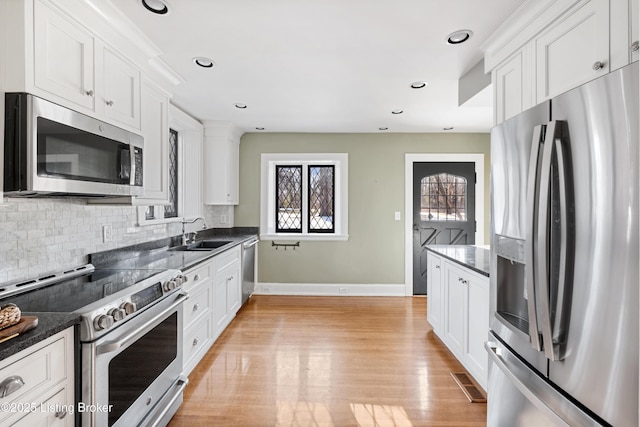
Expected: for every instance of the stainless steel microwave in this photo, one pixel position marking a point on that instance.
(52, 151)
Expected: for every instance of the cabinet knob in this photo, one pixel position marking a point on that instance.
(196, 307)
(89, 93)
(61, 414)
(109, 103)
(438, 267)
(598, 65)
(635, 46)
(196, 341)
(196, 277)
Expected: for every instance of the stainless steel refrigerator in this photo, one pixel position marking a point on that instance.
(563, 344)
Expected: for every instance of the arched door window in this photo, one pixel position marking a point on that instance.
(443, 198)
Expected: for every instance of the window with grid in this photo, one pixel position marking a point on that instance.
(305, 198)
(443, 198)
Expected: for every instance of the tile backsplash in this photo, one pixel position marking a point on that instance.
(39, 236)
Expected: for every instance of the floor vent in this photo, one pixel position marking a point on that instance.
(468, 387)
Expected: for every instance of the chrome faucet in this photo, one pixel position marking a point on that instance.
(191, 236)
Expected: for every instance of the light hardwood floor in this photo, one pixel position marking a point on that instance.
(328, 361)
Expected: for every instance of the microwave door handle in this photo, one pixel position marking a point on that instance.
(532, 217)
(132, 159)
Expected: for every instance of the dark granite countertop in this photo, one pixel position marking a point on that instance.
(151, 255)
(475, 258)
(160, 255)
(48, 324)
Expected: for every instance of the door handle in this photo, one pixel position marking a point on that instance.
(530, 254)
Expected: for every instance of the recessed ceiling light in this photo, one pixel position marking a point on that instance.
(418, 85)
(383, 128)
(240, 105)
(203, 62)
(447, 128)
(158, 7)
(259, 128)
(459, 36)
(397, 112)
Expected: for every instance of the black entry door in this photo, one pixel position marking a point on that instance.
(443, 211)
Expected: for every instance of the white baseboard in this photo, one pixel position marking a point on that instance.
(329, 289)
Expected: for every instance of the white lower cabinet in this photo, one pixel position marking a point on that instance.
(43, 384)
(434, 290)
(214, 299)
(458, 311)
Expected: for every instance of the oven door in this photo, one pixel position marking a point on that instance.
(132, 376)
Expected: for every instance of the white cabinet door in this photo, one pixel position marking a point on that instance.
(455, 310)
(192, 174)
(120, 94)
(434, 291)
(573, 51)
(220, 310)
(221, 163)
(234, 291)
(63, 55)
(478, 328)
(155, 130)
(513, 88)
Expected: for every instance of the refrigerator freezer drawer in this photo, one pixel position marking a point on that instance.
(518, 397)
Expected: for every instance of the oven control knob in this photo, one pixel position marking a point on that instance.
(117, 314)
(169, 285)
(128, 307)
(181, 279)
(103, 321)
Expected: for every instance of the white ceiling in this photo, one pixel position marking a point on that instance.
(325, 65)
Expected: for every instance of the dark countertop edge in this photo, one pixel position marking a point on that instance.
(48, 324)
(436, 250)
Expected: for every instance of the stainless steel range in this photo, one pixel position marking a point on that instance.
(130, 339)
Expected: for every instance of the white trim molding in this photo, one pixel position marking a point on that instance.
(268, 162)
(331, 289)
(409, 160)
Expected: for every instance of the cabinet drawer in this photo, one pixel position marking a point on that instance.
(227, 258)
(39, 370)
(198, 304)
(197, 275)
(56, 411)
(196, 339)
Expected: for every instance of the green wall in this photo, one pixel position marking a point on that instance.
(374, 253)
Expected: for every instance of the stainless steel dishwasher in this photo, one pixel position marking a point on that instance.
(248, 268)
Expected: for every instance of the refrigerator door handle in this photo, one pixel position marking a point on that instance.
(543, 295)
(562, 305)
(532, 218)
(524, 380)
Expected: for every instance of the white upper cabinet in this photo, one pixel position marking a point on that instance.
(573, 51)
(155, 130)
(548, 47)
(221, 163)
(120, 100)
(56, 57)
(63, 57)
(512, 88)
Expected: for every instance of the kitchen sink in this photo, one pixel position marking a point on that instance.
(205, 245)
(209, 244)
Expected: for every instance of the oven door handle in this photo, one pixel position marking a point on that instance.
(111, 346)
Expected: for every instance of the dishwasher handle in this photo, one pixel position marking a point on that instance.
(250, 244)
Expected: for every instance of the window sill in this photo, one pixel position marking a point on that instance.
(306, 237)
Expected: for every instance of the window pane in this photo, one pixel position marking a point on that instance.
(171, 210)
(289, 199)
(321, 199)
(443, 198)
